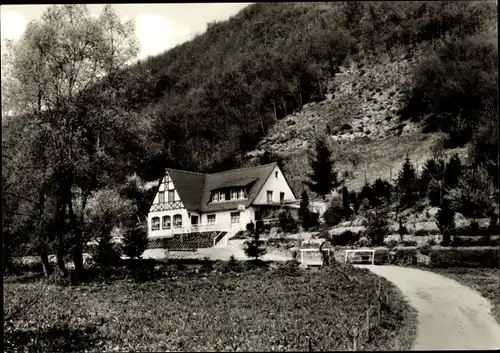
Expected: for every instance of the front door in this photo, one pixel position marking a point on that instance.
(194, 220)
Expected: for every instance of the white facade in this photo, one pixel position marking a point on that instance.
(163, 213)
(276, 184)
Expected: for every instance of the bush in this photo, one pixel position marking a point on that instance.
(334, 213)
(287, 223)
(364, 242)
(424, 232)
(405, 256)
(465, 257)
(392, 243)
(345, 127)
(105, 255)
(345, 238)
(410, 243)
(425, 249)
(473, 228)
(377, 228)
(135, 241)
(381, 256)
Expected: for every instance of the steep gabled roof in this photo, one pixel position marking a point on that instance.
(195, 189)
(189, 186)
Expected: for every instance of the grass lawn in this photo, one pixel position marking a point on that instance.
(484, 280)
(260, 309)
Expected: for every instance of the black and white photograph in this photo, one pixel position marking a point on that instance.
(279, 176)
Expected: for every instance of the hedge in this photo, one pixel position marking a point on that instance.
(487, 257)
(402, 256)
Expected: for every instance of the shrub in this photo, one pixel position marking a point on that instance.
(345, 127)
(409, 243)
(392, 243)
(473, 228)
(345, 238)
(425, 249)
(405, 256)
(287, 223)
(465, 257)
(364, 242)
(105, 255)
(135, 241)
(424, 232)
(381, 256)
(377, 228)
(335, 213)
(431, 242)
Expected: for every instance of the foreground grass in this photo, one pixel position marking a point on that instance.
(484, 280)
(254, 310)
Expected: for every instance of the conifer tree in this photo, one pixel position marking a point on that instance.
(452, 172)
(135, 241)
(323, 177)
(407, 184)
(254, 248)
(446, 221)
(305, 216)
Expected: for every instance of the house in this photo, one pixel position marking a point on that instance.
(188, 202)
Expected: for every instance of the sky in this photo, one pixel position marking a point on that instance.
(159, 27)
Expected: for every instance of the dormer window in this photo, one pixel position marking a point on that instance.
(215, 196)
(234, 194)
(229, 195)
(241, 194)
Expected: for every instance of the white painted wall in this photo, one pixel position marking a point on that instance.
(276, 185)
(186, 221)
(224, 218)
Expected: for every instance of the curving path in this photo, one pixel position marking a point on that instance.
(451, 316)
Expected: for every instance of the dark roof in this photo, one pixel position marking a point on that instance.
(189, 186)
(195, 189)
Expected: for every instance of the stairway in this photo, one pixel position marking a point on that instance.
(223, 237)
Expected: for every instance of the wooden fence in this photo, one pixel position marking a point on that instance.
(372, 317)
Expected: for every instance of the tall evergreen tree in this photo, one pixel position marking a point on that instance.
(305, 214)
(406, 184)
(446, 221)
(345, 202)
(452, 172)
(323, 177)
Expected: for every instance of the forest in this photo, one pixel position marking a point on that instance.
(89, 130)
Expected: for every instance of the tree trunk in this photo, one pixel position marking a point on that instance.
(47, 268)
(77, 246)
(275, 115)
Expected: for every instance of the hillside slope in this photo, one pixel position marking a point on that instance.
(362, 119)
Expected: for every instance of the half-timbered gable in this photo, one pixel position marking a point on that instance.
(228, 200)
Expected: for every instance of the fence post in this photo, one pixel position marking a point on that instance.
(355, 340)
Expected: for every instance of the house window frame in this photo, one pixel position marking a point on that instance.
(171, 195)
(282, 196)
(176, 218)
(234, 194)
(211, 218)
(276, 174)
(161, 197)
(166, 222)
(241, 194)
(269, 193)
(155, 223)
(222, 196)
(215, 197)
(235, 217)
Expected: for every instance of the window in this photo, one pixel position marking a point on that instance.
(215, 197)
(166, 222)
(228, 195)
(241, 194)
(161, 197)
(269, 196)
(234, 194)
(222, 196)
(155, 223)
(211, 219)
(235, 217)
(177, 221)
(282, 196)
(276, 175)
(171, 195)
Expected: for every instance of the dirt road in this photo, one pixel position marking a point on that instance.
(451, 316)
